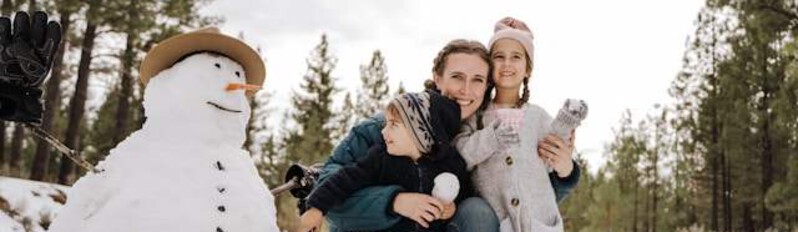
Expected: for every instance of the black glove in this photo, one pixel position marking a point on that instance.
(26, 55)
(20, 104)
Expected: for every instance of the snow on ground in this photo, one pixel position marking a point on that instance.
(28, 206)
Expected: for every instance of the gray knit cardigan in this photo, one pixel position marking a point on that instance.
(513, 179)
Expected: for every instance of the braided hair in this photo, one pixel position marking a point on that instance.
(525, 96)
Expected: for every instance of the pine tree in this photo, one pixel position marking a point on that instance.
(728, 99)
(400, 90)
(372, 96)
(573, 207)
(780, 198)
(756, 73)
(696, 90)
(311, 140)
(345, 118)
(622, 179)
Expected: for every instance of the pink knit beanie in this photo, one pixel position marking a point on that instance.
(512, 28)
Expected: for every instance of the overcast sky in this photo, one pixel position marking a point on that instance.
(615, 54)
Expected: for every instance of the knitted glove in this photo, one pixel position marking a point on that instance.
(569, 118)
(505, 134)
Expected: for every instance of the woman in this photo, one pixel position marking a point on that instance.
(461, 72)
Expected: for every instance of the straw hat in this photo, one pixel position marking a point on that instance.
(167, 52)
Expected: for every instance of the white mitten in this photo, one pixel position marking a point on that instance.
(446, 187)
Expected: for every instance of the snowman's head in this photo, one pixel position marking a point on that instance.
(203, 91)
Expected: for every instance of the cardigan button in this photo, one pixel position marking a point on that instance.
(509, 160)
(515, 201)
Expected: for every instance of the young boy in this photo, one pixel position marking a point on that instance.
(417, 134)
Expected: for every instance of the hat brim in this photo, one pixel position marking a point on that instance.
(166, 53)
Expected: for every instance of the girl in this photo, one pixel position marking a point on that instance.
(516, 184)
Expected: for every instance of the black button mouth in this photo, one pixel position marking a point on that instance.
(222, 107)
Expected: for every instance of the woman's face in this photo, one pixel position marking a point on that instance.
(464, 79)
(509, 64)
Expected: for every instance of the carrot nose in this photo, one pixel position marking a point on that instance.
(240, 86)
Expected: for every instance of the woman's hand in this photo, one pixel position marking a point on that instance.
(418, 207)
(557, 155)
(311, 220)
(448, 211)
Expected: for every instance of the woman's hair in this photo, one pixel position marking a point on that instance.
(470, 47)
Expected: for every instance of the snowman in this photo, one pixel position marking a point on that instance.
(185, 170)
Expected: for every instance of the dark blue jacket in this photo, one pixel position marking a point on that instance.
(381, 168)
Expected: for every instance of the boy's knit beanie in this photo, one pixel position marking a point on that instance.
(429, 117)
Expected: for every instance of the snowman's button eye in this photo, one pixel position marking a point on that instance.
(238, 74)
(218, 65)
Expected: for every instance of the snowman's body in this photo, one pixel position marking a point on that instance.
(185, 169)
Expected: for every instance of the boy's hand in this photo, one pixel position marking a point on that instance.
(557, 155)
(419, 207)
(448, 211)
(311, 220)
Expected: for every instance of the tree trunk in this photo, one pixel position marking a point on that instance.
(2, 145)
(714, 219)
(748, 223)
(126, 93)
(16, 149)
(654, 196)
(713, 152)
(766, 142)
(634, 217)
(727, 199)
(52, 104)
(647, 210)
(78, 102)
(7, 8)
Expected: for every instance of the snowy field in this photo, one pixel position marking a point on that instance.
(28, 205)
